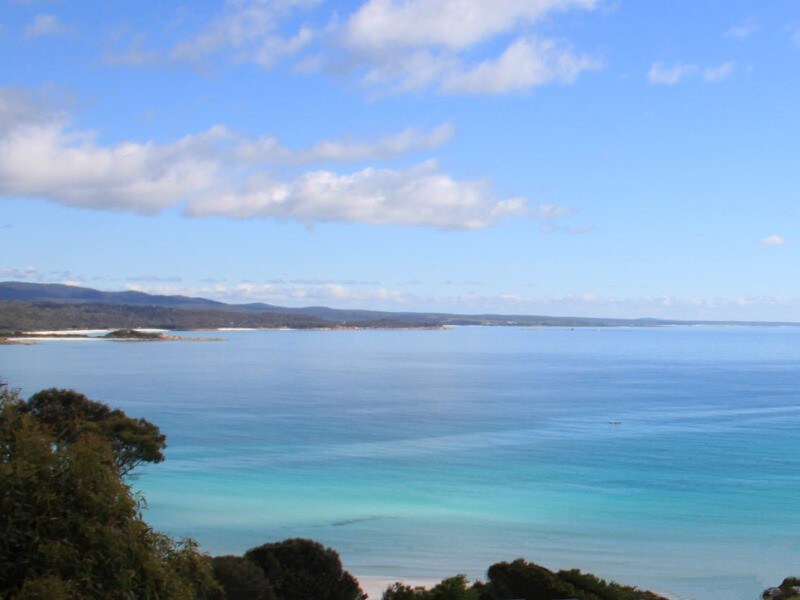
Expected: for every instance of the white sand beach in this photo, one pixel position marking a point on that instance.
(67, 332)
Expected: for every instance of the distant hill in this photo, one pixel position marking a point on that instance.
(69, 294)
(25, 305)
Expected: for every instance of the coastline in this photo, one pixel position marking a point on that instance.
(22, 337)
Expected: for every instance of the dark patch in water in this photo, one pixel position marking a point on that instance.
(353, 521)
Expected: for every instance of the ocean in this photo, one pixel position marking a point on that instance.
(666, 458)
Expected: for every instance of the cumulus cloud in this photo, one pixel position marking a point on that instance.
(218, 172)
(393, 46)
(45, 25)
(526, 63)
(418, 44)
(454, 24)
(421, 195)
(661, 73)
(41, 157)
(773, 240)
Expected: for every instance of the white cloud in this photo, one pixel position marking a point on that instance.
(249, 30)
(421, 195)
(773, 240)
(715, 74)
(453, 24)
(526, 63)
(42, 158)
(270, 149)
(245, 31)
(744, 30)
(45, 25)
(420, 44)
(548, 212)
(217, 172)
(661, 73)
(392, 46)
(409, 139)
(670, 75)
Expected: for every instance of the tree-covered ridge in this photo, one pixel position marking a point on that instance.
(25, 305)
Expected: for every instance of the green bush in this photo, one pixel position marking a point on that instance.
(300, 569)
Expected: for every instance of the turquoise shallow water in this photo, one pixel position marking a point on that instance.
(423, 454)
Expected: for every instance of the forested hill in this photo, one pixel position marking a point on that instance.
(25, 305)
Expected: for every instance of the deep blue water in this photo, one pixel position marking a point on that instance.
(428, 453)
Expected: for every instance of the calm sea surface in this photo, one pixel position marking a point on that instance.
(428, 453)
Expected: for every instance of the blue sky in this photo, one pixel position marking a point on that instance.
(563, 157)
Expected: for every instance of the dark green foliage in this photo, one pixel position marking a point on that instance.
(453, 588)
(300, 569)
(524, 581)
(69, 415)
(71, 528)
(789, 589)
(591, 584)
(135, 334)
(528, 581)
(401, 591)
(241, 579)
(789, 583)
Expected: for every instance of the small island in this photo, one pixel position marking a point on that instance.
(137, 335)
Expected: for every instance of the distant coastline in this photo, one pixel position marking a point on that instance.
(35, 307)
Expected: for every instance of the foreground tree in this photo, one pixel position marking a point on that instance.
(70, 527)
(69, 415)
(300, 569)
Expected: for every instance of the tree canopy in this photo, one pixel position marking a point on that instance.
(70, 415)
(299, 569)
(70, 527)
(522, 580)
